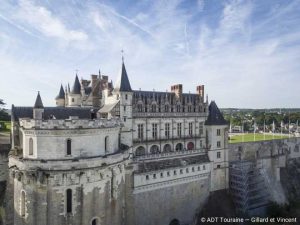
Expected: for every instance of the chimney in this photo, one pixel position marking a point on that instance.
(94, 80)
(200, 91)
(177, 89)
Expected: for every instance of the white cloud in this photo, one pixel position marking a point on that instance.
(45, 22)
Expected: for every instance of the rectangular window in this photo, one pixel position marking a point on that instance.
(190, 129)
(124, 108)
(175, 172)
(126, 97)
(201, 128)
(167, 130)
(218, 132)
(201, 144)
(218, 155)
(199, 168)
(181, 172)
(141, 131)
(219, 144)
(147, 177)
(69, 200)
(161, 175)
(193, 169)
(154, 176)
(179, 129)
(168, 173)
(124, 118)
(187, 170)
(154, 130)
(218, 166)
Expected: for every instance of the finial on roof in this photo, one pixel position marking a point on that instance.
(122, 51)
(99, 73)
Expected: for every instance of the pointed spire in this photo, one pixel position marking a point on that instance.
(123, 83)
(76, 87)
(215, 116)
(38, 102)
(61, 94)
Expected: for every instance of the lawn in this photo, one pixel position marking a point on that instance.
(7, 126)
(250, 137)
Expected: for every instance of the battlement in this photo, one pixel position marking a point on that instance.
(71, 123)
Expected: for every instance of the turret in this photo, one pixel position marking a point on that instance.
(217, 145)
(38, 108)
(177, 89)
(60, 98)
(74, 97)
(124, 93)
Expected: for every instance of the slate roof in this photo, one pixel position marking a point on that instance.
(123, 83)
(172, 163)
(57, 112)
(61, 94)
(76, 87)
(215, 116)
(38, 102)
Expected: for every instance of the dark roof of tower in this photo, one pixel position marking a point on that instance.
(76, 87)
(215, 116)
(38, 102)
(58, 112)
(123, 83)
(61, 94)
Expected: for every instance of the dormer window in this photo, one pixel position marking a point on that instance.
(153, 107)
(140, 107)
(166, 108)
(178, 108)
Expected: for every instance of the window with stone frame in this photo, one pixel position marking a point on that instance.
(69, 147)
(154, 130)
(218, 155)
(219, 144)
(69, 197)
(166, 108)
(178, 108)
(191, 129)
(140, 107)
(30, 146)
(153, 107)
(167, 130)
(141, 131)
(218, 132)
(179, 129)
(201, 128)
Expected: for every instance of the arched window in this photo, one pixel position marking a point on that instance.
(179, 147)
(154, 149)
(106, 144)
(30, 146)
(23, 204)
(69, 147)
(167, 148)
(190, 146)
(140, 151)
(95, 221)
(69, 200)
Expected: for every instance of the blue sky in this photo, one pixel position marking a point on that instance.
(246, 53)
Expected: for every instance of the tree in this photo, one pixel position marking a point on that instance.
(4, 116)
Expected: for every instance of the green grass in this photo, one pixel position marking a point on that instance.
(7, 125)
(250, 137)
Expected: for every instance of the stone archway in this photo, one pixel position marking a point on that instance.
(154, 149)
(190, 146)
(167, 148)
(174, 222)
(140, 151)
(179, 147)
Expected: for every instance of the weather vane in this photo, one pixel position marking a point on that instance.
(122, 51)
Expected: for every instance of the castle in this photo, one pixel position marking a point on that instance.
(111, 155)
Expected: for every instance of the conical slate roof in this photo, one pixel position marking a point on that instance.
(38, 102)
(61, 94)
(215, 116)
(76, 87)
(123, 83)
